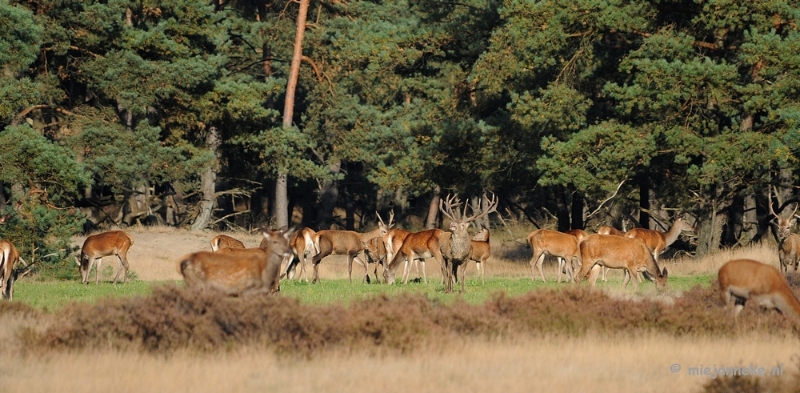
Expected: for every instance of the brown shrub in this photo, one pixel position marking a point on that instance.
(174, 318)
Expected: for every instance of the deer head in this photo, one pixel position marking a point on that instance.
(784, 224)
(460, 221)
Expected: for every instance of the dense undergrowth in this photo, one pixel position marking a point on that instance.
(174, 318)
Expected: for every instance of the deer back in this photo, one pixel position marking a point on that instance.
(225, 241)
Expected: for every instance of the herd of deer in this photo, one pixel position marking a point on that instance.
(236, 270)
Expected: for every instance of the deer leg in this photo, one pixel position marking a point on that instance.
(97, 270)
(605, 270)
(483, 268)
(366, 272)
(424, 273)
(123, 261)
(539, 264)
(596, 269)
(560, 268)
(533, 262)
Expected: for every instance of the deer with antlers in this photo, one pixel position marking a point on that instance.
(450, 248)
(789, 243)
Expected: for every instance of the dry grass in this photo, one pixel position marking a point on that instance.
(620, 364)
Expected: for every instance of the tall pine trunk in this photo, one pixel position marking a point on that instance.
(281, 184)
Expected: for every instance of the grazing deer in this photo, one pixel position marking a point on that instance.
(481, 250)
(9, 256)
(608, 231)
(558, 244)
(225, 241)
(619, 253)
(237, 272)
(741, 280)
(789, 243)
(339, 242)
(101, 245)
(303, 245)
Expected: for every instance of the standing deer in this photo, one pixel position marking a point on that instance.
(741, 280)
(417, 245)
(392, 242)
(455, 245)
(481, 250)
(101, 245)
(225, 241)
(789, 243)
(303, 246)
(619, 253)
(9, 256)
(658, 241)
(608, 231)
(558, 244)
(339, 242)
(375, 253)
(237, 272)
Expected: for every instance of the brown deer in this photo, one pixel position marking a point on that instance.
(608, 231)
(340, 242)
(619, 253)
(392, 242)
(558, 244)
(225, 241)
(450, 248)
(235, 272)
(303, 246)
(788, 242)
(9, 256)
(100, 245)
(375, 253)
(741, 280)
(481, 250)
(658, 241)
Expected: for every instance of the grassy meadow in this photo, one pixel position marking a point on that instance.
(511, 333)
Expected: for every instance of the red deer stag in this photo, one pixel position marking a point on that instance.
(235, 272)
(451, 248)
(789, 243)
(225, 241)
(9, 256)
(619, 253)
(340, 242)
(558, 244)
(455, 245)
(102, 245)
(303, 246)
(481, 251)
(741, 280)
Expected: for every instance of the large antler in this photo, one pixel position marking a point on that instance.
(446, 206)
(391, 219)
(489, 209)
(779, 203)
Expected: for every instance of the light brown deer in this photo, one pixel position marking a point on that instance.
(100, 245)
(225, 241)
(481, 251)
(741, 280)
(303, 246)
(608, 231)
(340, 242)
(619, 253)
(375, 253)
(417, 245)
(238, 272)
(789, 243)
(658, 241)
(9, 256)
(392, 241)
(558, 244)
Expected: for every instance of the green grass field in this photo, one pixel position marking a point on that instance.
(51, 295)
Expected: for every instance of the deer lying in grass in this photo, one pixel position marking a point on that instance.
(619, 253)
(303, 246)
(101, 245)
(480, 251)
(225, 241)
(558, 244)
(239, 272)
(741, 280)
(9, 256)
(339, 242)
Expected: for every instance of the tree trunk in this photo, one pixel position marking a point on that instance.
(208, 183)
(562, 211)
(710, 226)
(644, 203)
(433, 209)
(749, 220)
(281, 186)
(328, 195)
(578, 207)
